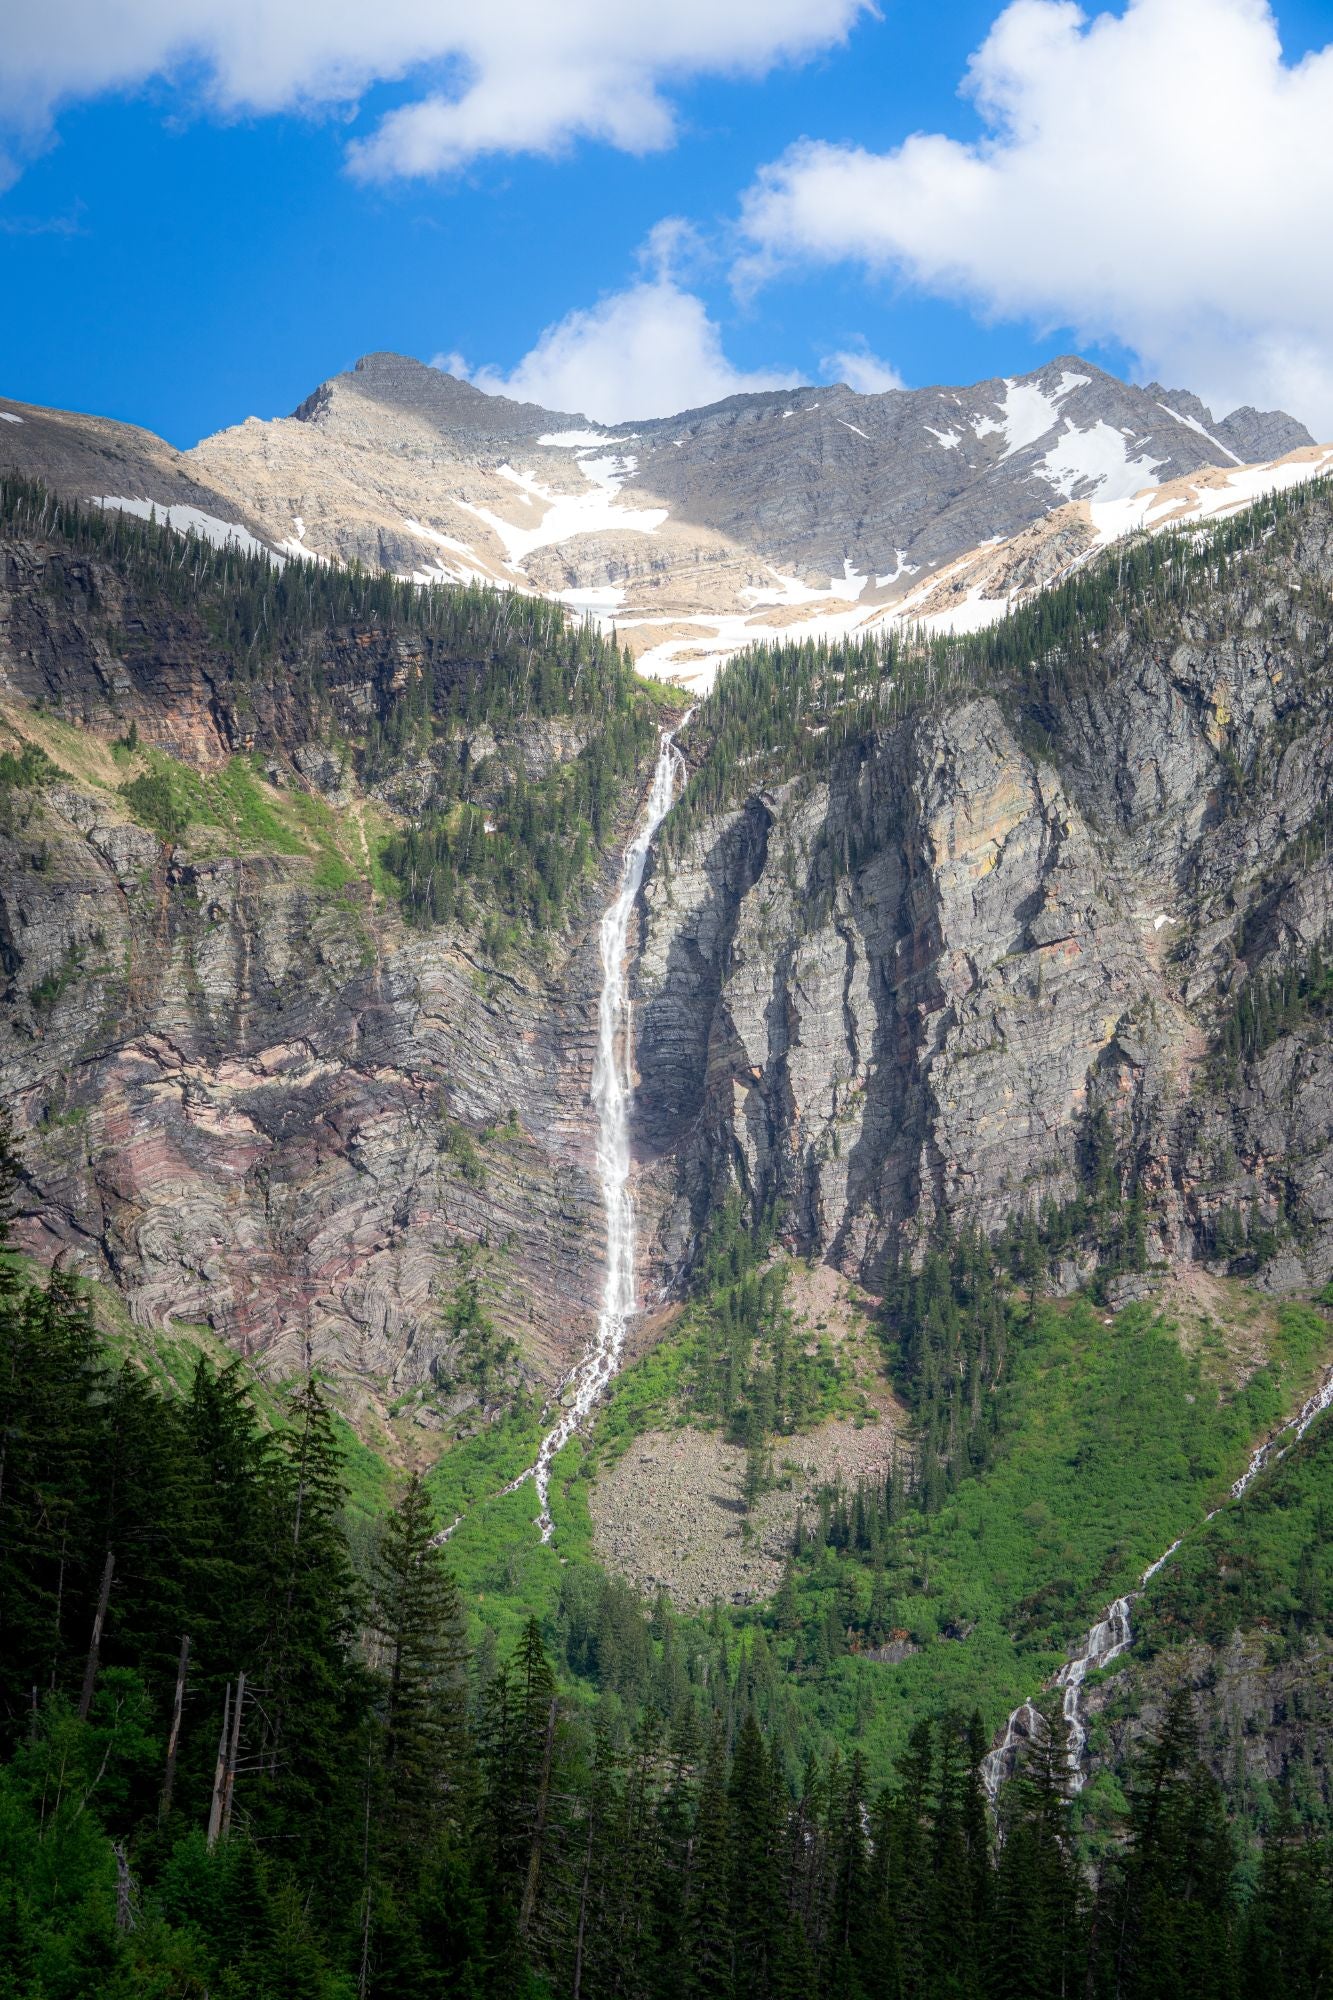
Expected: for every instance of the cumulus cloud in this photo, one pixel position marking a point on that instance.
(861, 370)
(508, 76)
(1159, 177)
(647, 351)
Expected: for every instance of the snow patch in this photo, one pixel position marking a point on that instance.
(1028, 414)
(1193, 424)
(1096, 457)
(8, 417)
(565, 515)
(853, 427)
(1225, 493)
(610, 471)
(790, 590)
(185, 520)
(597, 598)
(571, 440)
(949, 439)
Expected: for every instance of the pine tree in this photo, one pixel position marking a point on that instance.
(708, 1940)
(417, 1620)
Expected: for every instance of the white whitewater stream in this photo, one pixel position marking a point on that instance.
(612, 1096)
(1113, 1633)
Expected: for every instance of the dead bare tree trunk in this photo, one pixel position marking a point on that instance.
(229, 1784)
(539, 1830)
(220, 1772)
(95, 1643)
(583, 1905)
(173, 1739)
(125, 1915)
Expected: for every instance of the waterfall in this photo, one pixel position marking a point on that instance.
(612, 1094)
(1113, 1634)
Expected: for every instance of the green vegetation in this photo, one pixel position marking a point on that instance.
(486, 1357)
(1270, 1005)
(535, 840)
(735, 1358)
(1266, 1560)
(1097, 1444)
(25, 768)
(384, 1810)
(464, 680)
(261, 613)
(153, 800)
(1109, 1443)
(44, 992)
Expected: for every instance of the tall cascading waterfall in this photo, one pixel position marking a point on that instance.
(612, 1095)
(1113, 1633)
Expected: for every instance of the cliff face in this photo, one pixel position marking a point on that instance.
(929, 981)
(247, 1092)
(255, 1104)
(916, 986)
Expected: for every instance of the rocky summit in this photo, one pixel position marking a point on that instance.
(820, 512)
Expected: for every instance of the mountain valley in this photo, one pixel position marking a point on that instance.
(975, 1143)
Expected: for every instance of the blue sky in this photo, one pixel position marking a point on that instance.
(183, 257)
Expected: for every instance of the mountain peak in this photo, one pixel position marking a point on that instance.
(415, 388)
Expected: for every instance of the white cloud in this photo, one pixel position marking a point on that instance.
(648, 351)
(1159, 177)
(861, 370)
(510, 75)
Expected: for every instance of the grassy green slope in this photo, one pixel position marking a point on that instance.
(1113, 1444)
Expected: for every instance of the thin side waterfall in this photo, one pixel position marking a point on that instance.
(612, 1095)
(1113, 1634)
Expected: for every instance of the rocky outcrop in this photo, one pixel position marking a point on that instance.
(1263, 1708)
(906, 990)
(247, 1092)
(921, 1029)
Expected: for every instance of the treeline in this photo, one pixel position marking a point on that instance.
(489, 839)
(530, 842)
(748, 1366)
(793, 709)
(947, 1331)
(260, 609)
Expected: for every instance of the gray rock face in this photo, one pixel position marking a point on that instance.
(451, 406)
(240, 1101)
(906, 989)
(818, 478)
(1252, 435)
(922, 1032)
(1264, 1712)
